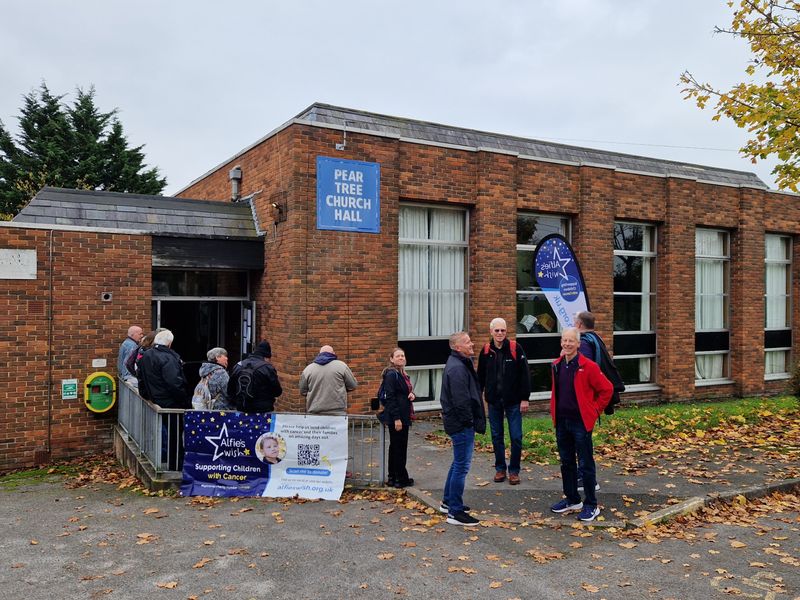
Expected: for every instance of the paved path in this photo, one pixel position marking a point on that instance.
(102, 542)
(630, 488)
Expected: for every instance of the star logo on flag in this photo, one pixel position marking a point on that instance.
(562, 261)
(215, 439)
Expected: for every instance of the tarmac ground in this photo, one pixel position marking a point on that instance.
(99, 541)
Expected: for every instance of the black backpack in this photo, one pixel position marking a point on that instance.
(609, 369)
(379, 401)
(243, 392)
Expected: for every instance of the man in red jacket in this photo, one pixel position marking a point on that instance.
(579, 394)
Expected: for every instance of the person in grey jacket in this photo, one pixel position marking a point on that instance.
(462, 417)
(325, 383)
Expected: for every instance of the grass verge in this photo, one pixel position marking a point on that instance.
(774, 421)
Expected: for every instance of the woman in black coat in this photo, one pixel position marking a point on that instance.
(397, 414)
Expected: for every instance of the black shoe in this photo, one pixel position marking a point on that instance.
(462, 518)
(443, 508)
(404, 484)
(390, 482)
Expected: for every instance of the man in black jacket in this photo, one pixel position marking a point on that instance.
(505, 380)
(160, 374)
(462, 416)
(254, 384)
(162, 382)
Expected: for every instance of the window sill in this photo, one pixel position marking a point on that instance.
(641, 387)
(710, 382)
(777, 377)
(429, 406)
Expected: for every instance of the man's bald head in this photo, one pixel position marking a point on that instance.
(135, 333)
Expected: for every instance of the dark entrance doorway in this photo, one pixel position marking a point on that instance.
(199, 325)
(204, 309)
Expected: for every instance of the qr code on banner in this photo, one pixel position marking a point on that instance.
(308, 455)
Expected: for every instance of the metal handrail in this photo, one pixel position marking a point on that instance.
(156, 433)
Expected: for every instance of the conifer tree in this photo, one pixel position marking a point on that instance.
(69, 145)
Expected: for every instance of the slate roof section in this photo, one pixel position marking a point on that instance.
(410, 129)
(157, 215)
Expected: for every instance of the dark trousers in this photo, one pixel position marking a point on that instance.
(514, 417)
(575, 446)
(398, 450)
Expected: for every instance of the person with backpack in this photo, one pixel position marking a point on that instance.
(397, 396)
(579, 394)
(505, 381)
(254, 383)
(594, 348)
(211, 392)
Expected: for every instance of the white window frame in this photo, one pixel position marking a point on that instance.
(651, 256)
(566, 231)
(787, 262)
(434, 404)
(725, 259)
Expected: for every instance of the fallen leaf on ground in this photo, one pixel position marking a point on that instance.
(202, 563)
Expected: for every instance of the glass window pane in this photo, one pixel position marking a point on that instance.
(526, 278)
(534, 314)
(635, 370)
(200, 283)
(776, 362)
(427, 384)
(629, 236)
(540, 377)
(777, 247)
(431, 277)
(630, 314)
(532, 228)
(628, 273)
(447, 225)
(711, 366)
(711, 243)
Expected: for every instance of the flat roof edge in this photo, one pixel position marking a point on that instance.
(298, 121)
(55, 227)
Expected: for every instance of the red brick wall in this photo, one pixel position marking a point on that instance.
(341, 288)
(36, 425)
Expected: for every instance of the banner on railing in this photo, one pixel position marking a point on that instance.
(275, 455)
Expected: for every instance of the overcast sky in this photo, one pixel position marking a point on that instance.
(197, 81)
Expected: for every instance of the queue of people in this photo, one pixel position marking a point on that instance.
(499, 387)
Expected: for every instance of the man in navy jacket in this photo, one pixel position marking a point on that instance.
(462, 416)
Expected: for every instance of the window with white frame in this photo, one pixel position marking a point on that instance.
(535, 317)
(634, 302)
(777, 303)
(712, 289)
(432, 288)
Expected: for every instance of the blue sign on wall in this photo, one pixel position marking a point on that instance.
(348, 195)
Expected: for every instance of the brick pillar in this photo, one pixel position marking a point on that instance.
(493, 238)
(593, 243)
(675, 296)
(747, 295)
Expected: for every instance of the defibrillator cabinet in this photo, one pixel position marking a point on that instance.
(100, 392)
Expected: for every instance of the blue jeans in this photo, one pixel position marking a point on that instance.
(575, 446)
(514, 416)
(463, 443)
